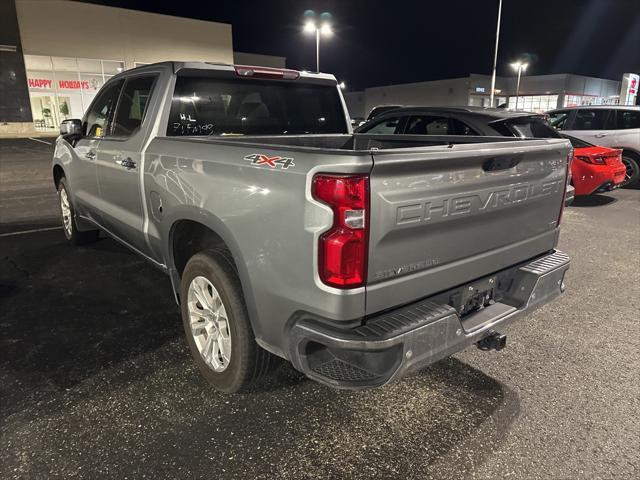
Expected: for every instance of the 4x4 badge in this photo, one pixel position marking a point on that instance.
(272, 162)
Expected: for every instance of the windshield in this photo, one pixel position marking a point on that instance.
(208, 106)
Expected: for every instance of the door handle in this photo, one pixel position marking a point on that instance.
(91, 155)
(600, 135)
(127, 163)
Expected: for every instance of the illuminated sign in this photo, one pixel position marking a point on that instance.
(629, 88)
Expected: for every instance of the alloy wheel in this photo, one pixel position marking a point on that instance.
(209, 323)
(66, 212)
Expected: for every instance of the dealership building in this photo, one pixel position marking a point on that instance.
(537, 93)
(56, 54)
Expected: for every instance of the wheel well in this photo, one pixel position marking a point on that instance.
(191, 237)
(58, 173)
(630, 153)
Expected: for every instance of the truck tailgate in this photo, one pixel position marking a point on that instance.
(445, 215)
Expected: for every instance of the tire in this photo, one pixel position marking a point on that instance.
(68, 216)
(246, 361)
(632, 163)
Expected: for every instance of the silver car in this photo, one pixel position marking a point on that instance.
(615, 126)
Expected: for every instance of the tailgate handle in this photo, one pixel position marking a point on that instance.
(500, 163)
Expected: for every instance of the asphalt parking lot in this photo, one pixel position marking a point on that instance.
(96, 378)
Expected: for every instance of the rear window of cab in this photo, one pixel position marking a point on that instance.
(205, 106)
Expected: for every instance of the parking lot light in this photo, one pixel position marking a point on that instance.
(519, 67)
(325, 29)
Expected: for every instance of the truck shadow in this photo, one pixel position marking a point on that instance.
(414, 428)
(86, 331)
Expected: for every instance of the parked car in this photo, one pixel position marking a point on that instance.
(597, 169)
(356, 257)
(608, 126)
(467, 121)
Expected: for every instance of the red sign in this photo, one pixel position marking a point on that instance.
(39, 83)
(73, 84)
(65, 84)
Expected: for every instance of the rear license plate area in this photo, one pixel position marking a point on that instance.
(474, 296)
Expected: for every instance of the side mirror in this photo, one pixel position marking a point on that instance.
(71, 127)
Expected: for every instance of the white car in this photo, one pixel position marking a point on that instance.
(616, 126)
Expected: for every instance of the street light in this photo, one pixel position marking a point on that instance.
(342, 85)
(495, 55)
(519, 67)
(323, 28)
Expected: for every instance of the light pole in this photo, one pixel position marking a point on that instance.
(320, 29)
(520, 67)
(495, 55)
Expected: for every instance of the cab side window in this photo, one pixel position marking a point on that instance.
(133, 105)
(388, 126)
(628, 119)
(596, 119)
(96, 120)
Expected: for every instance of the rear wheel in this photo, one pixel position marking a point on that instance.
(216, 323)
(68, 215)
(632, 164)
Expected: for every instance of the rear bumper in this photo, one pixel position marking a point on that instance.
(590, 179)
(391, 344)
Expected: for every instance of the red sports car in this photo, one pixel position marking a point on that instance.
(595, 169)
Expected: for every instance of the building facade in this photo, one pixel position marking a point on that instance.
(56, 54)
(537, 93)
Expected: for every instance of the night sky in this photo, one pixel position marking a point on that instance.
(386, 42)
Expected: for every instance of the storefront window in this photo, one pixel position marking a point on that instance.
(577, 100)
(534, 103)
(63, 87)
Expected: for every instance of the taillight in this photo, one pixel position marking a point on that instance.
(592, 160)
(342, 250)
(567, 180)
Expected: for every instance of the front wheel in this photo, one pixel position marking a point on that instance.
(68, 214)
(216, 323)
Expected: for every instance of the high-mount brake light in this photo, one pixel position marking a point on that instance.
(265, 72)
(342, 250)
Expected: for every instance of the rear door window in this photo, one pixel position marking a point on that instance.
(458, 127)
(593, 119)
(211, 106)
(627, 119)
(132, 105)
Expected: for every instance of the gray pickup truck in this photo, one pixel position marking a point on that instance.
(357, 258)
